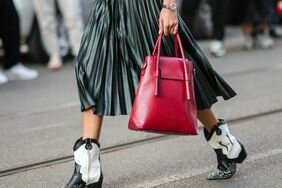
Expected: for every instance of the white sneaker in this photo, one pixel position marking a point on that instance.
(3, 78)
(21, 72)
(264, 41)
(217, 48)
(248, 42)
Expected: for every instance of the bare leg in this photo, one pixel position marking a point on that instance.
(87, 154)
(208, 118)
(92, 125)
(248, 28)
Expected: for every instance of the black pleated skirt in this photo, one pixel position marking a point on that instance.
(118, 36)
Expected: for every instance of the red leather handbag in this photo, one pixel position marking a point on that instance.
(165, 99)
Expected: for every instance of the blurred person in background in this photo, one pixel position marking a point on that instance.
(10, 35)
(219, 10)
(255, 27)
(197, 16)
(273, 20)
(47, 18)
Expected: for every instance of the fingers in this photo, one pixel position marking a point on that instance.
(175, 29)
(168, 23)
(166, 30)
(161, 27)
(170, 29)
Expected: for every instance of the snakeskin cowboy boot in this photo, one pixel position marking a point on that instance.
(228, 149)
(87, 170)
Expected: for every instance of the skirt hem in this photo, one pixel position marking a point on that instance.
(128, 113)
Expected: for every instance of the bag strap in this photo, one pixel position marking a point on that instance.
(186, 71)
(177, 46)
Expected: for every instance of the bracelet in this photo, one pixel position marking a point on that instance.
(171, 6)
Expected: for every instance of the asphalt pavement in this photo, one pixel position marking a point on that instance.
(41, 119)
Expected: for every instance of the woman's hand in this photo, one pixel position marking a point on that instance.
(168, 22)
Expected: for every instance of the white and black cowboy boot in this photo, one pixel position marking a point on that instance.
(87, 170)
(228, 149)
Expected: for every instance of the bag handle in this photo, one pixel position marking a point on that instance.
(157, 52)
(177, 46)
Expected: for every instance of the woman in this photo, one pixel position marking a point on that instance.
(120, 33)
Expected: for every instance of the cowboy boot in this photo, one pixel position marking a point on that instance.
(228, 149)
(87, 170)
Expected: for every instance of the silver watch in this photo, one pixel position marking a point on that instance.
(171, 6)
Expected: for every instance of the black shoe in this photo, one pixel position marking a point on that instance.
(229, 151)
(275, 33)
(87, 170)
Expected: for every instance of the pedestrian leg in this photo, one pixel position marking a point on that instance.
(46, 15)
(10, 33)
(71, 11)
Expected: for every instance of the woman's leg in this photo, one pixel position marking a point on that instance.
(88, 169)
(92, 125)
(228, 149)
(208, 118)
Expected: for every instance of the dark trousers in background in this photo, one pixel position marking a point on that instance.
(219, 10)
(256, 11)
(273, 18)
(187, 10)
(9, 33)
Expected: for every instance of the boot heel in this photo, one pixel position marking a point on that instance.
(95, 185)
(242, 155)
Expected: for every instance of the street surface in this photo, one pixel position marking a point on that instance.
(41, 119)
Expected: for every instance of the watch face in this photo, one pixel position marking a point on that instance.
(173, 6)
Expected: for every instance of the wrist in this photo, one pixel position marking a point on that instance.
(169, 1)
(170, 6)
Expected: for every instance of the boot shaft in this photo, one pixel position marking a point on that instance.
(87, 171)
(228, 149)
(226, 146)
(87, 156)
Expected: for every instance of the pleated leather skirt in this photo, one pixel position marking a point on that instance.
(118, 36)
